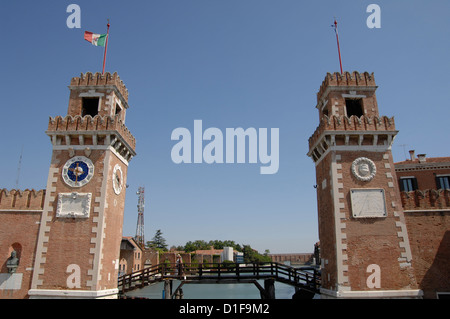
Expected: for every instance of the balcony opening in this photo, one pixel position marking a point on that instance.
(90, 106)
(354, 107)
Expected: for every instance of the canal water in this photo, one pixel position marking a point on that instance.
(214, 291)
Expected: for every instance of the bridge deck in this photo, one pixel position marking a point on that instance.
(303, 278)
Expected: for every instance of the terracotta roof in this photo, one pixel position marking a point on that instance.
(428, 160)
(132, 241)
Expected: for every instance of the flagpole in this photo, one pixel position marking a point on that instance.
(337, 39)
(106, 48)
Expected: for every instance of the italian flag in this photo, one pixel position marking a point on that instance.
(95, 39)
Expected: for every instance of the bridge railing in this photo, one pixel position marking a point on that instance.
(305, 277)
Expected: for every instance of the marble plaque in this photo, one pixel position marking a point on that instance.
(74, 205)
(368, 203)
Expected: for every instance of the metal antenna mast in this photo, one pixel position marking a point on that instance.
(18, 168)
(404, 150)
(140, 222)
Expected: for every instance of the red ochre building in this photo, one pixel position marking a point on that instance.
(66, 241)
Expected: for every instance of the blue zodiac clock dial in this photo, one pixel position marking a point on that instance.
(78, 171)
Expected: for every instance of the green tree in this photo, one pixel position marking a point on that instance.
(158, 242)
(196, 245)
(252, 256)
(219, 244)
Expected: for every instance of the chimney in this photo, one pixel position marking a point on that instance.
(413, 156)
(422, 158)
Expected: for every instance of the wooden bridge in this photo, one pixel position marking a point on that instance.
(306, 279)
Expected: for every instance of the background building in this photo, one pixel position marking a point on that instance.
(424, 182)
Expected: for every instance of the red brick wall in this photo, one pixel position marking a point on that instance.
(113, 230)
(327, 233)
(427, 214)
(70, 239)
(151, 255)
(18, 231)
(429, 235)
(374, 241)
(296, 258)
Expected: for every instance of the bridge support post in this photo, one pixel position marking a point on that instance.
(167, 289)
(268, 292)
(269, 287)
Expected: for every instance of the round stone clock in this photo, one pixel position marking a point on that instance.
(78, 171)
(117, 179)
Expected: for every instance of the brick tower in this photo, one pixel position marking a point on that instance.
(364, 244)
(77, 253)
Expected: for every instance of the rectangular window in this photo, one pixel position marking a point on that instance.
(90, 106)
(443, 182)
(408, 184)
(118, 109)
(354, 107)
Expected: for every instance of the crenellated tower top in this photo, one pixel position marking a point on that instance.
(347, 94)
(355, 79)
(98, 79)
(98, 94)
(95, 116)
(349, 116)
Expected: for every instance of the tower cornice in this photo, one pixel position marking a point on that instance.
(77, 131)
(374, 133)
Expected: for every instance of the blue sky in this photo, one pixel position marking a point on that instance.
(233, 63)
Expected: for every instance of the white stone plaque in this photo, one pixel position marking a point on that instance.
(368, 203)
(11, 281)
(74, 205)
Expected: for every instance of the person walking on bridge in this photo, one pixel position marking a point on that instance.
(179, 264)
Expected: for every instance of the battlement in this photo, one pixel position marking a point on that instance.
(87, 130)
(430, 199)
(352, 124)
(348, 79)
(17, 199)
(98, 79)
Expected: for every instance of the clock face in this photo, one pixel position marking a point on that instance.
(117, 179)
(368, 203)
(78, 171)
